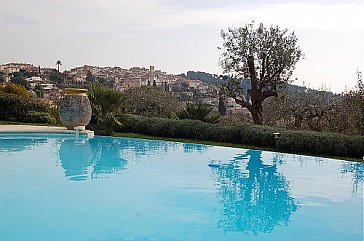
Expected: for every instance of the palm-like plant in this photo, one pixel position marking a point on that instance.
(105, 103)
(199, 111)
(58, 63)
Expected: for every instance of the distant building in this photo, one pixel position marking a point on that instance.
(233, 108)
(121, 79)
(11, 68)
(35, 80)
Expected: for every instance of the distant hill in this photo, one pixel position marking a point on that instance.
(211, 79)
(204, 77)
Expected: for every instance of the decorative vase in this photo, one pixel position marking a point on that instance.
(75, 108)
(76, 166)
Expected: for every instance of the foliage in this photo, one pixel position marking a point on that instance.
(291, 141)
(90, 79)
(56, 77)
(318, 110)
(306, 109)
(58, 63)
(105, 102)
(265, 56)
(204, 77)
(22, 73)
(39, 91)
(278, 111)
(39, 117)
(186, 128)
(199, 111)
(322, 143)
(15, 108)
(235, 119)
(150, 101)
(19, 80)
(11, 88)
(2, 76)
(350, 112)
(222, 106)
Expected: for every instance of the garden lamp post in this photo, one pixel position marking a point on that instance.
(277, 135)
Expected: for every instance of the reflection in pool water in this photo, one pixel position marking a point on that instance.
(255, 199)
(357, 169)
(10, 144)
(75, 158)
(82, 159)
(189, 147)
(63, 188)
(98, 157)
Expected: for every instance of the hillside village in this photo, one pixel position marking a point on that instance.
(47, 83)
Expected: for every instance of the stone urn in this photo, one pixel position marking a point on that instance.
(76, 158)
(75, 108)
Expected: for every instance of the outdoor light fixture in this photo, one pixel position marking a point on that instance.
(277, 135)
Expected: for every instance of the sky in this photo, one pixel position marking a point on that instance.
(180, 35)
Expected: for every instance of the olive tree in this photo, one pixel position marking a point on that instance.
(350, 113)
(266, 57)
(151, 101)
(304, 108)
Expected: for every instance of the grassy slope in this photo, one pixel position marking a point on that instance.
(23, 123)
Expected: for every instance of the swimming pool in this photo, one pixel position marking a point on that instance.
(62, 187)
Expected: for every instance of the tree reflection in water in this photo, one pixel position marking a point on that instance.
(11, 144)
(199, 148)
(255, 199)
(357, 170)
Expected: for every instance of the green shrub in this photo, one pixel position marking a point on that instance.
(190, 129)
(105, 103)
(39, 117)
(150, 101)
(11, 88)
(322, 143)
(258, 135)
(15, 108)
(199, 111)
(261, 136)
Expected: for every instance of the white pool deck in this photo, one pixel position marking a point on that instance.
(41, 129)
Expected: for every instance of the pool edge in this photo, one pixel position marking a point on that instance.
(17, 129)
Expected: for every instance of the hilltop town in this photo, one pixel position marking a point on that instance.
(47, 83)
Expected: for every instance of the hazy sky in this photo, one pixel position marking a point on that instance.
(179, 35)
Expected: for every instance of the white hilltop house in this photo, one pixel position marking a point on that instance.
(36, 80)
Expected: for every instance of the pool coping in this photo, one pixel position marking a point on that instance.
(8, 129)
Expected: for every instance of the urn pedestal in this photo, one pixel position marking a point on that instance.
(75, 108)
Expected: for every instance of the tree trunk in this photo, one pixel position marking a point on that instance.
(257, 114)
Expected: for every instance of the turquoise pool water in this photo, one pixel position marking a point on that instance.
(68, 188)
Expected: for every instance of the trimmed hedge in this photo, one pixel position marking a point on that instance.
(190, 129)
(322, 143)
(309, 142)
